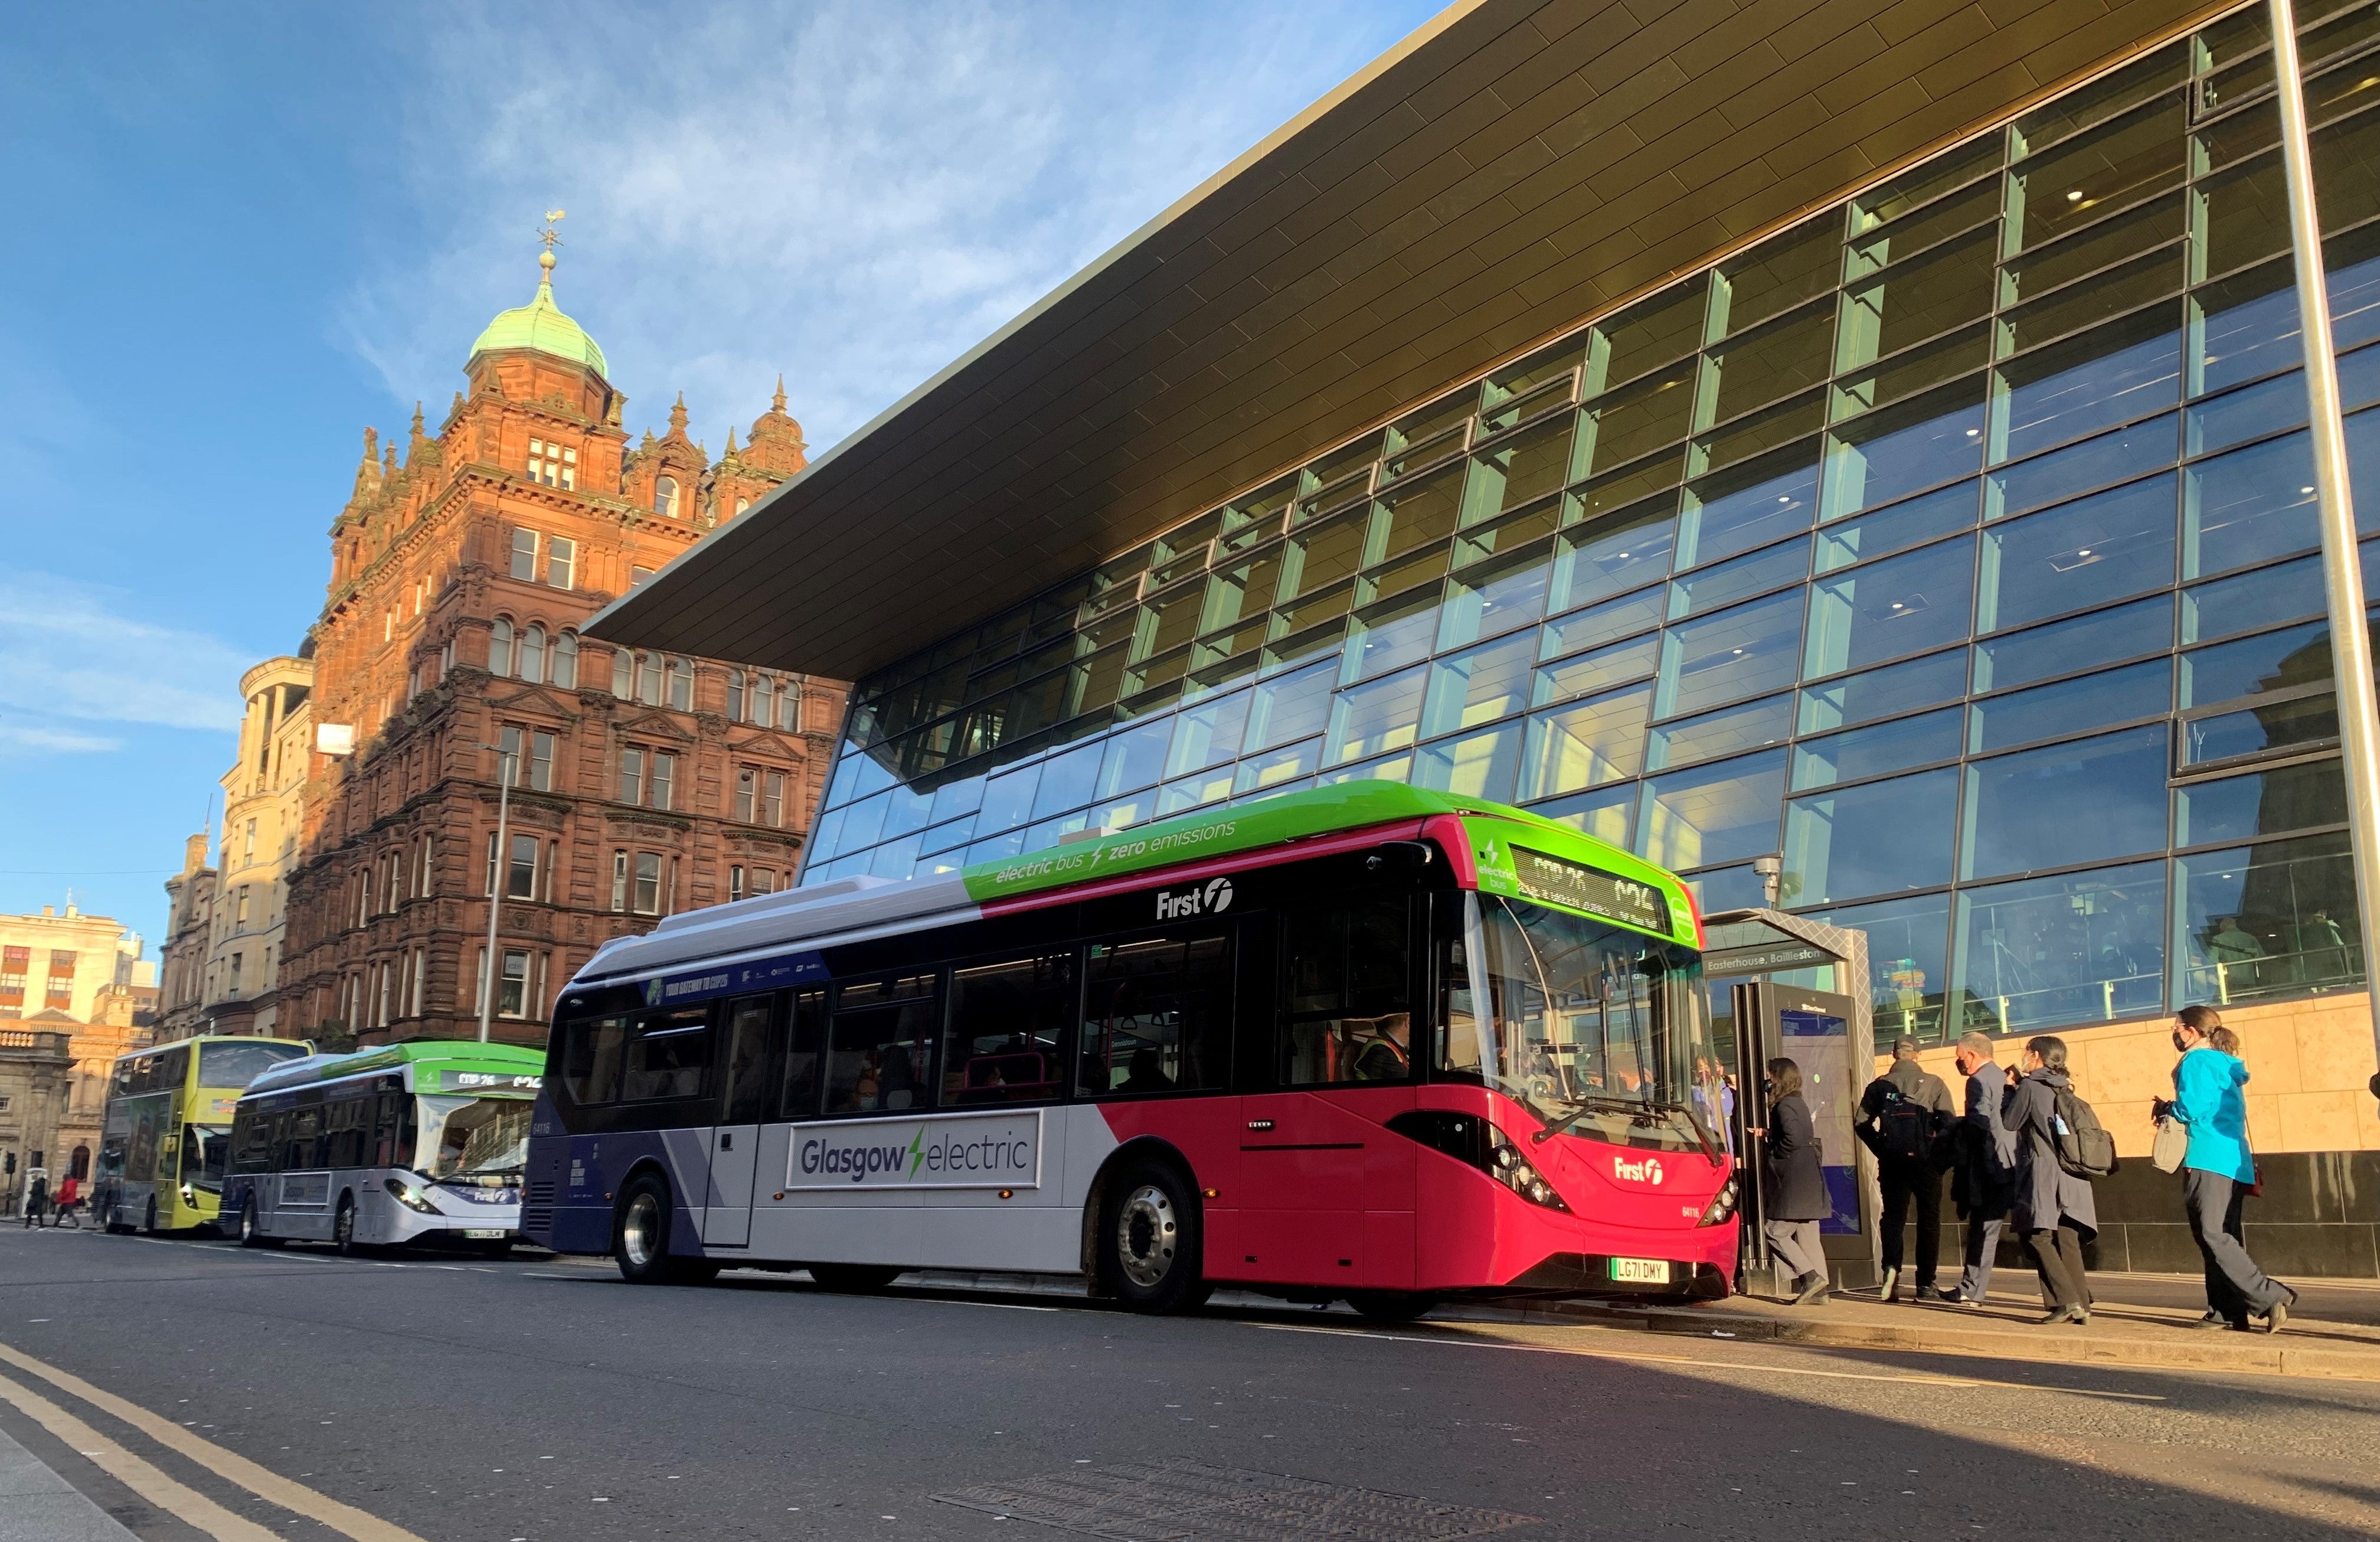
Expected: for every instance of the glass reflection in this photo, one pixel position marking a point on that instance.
(2276, 918)
(2041, 953)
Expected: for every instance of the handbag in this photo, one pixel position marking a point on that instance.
(2171, 1145)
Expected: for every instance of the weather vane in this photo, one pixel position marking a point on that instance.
(551, 237)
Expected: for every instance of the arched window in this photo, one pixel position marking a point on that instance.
(762, 691)
(735, 696)
(623, 675)
(532, 655)
(681, 684)
(79, 1168)
(666, 497)
(565, 660)
(500, 647)
(648, 679)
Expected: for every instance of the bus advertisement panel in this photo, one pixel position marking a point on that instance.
(160, 1151)
(421, 1142)
(1364, 1042)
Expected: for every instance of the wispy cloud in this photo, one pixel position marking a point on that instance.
(79, 652)
(853, 194)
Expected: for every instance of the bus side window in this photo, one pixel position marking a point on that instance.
(1349, 1012)
(383, 1131)
(1157, 1015)
(251, 1142)
(1007, 1021)
(668, 1056)
(744, 1099)
(805, 1042)
(882, 1040)
(593, 1049)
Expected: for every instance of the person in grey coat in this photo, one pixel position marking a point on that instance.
(1983, 1184)
(2054, 1209)
(1793, 1184)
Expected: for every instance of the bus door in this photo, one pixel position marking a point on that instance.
(744, 1076)
(1328, 1190)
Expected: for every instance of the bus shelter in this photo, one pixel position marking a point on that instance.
(1798, 986)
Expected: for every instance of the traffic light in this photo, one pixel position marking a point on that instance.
(9, 1170)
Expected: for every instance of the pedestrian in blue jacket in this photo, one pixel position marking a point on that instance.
(2210, 1102)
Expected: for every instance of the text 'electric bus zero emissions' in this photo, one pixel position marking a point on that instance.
(160, 1151)
(421, 1142)
(1364, 1042)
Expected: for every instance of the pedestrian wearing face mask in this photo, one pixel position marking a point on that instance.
(2210, 1102)
(1794, 1189)
(1983, 1181)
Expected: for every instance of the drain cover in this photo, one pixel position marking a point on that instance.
(1174, 1501)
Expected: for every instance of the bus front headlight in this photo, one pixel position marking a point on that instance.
(1506, 1164)
(1722, 1207)
(411, 1198)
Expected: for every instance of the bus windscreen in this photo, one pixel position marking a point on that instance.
(230, 1062)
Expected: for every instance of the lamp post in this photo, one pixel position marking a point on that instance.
(489, 968)
(2351, 644)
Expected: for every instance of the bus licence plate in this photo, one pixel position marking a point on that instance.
(1641, 1271)
(491, 1233)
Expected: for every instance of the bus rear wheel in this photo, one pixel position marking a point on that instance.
(1391, 1306)
(250, 1233)
(149, 1221)
(1149, 1246)
(854, 1278)
(642, 1238)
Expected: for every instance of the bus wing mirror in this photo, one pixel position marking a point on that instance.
(1404, 857)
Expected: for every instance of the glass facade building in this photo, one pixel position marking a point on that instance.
(1958, 544)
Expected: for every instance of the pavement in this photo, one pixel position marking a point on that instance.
(193, 1390)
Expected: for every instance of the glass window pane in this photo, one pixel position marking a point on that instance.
(1911, 372)
(1603, 623)
(1875, 750)
(2258, 597)
(1157, 1017)
(1195, 791)
(1506, 536)
(2081, 802)
(2102, 99)
(1136, 758)
(1765, 365)
(1271, 770)
(1006, 1024)
(2246, 212)
(2265, 920)
(1637, 418)
(1777, 274)
(1529, 465)
(2271, 662)
(1907, 961)
(1883, 693)
(1605, 667)
(1327, 551)
(1395, 633)
(2142, 691)
(1927, 181)
(1711, 589)
(1747, 651)
(2127, 369)
(1870, 839)
(1649, 334)
(1476, 765)
(2261, 803)
(1603, 814)
(2044, 952)
(1748, 505)
(1885, 609)
(1203, 735)
(1245, 588)
(1952, 216)
(904, 810)
(1377, 718)
(1918, 520)
(1497, 595)
(1068, 781)
(1591, 741)
(1712, 814)
(1899, 449)
(2249, 505)
(2111, 457)
(2101, 246)
(1417, 512)
(2071, 309)
(1614, 553)
(1292, 706)
(1481, 686)
(863, 823)
(2110, 167)
(2222, 421)
(2089, 551)
(2354, 266)
(1944, 289)
(2244, 326)
(2309, 721)
(2104, 636)
(1729, 730)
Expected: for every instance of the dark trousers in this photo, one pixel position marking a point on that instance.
(2058, 1256)
(1983, 1251)
(1903, 1181)
(2234, 1286)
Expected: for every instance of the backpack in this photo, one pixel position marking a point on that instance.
(1904, 1127)
(2084, 1147)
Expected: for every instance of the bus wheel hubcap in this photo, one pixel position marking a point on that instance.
(1145, 1235)
(637, 1234)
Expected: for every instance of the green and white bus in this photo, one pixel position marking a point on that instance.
(409, 1143)
(160, 1151)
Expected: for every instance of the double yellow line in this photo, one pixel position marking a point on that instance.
(159, 1488)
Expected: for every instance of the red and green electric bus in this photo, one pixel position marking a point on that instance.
(1363, 1042)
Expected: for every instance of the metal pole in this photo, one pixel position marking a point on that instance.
(489, 970)
(2350, 643)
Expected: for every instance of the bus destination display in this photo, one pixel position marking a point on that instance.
(1555, 881)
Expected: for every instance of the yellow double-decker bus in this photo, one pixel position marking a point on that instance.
(161, 1157)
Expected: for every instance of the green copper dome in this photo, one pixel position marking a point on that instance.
(540, 325)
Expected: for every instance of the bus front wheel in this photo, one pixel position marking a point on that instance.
(1149, 1246)
(642, 1233)
(343, 1229)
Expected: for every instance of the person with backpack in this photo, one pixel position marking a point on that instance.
(2058, 1142)
(1904, 1118)
(2219, 1169)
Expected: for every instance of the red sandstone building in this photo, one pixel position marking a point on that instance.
(644, 784)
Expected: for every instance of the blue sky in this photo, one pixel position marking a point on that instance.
(244, 232)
